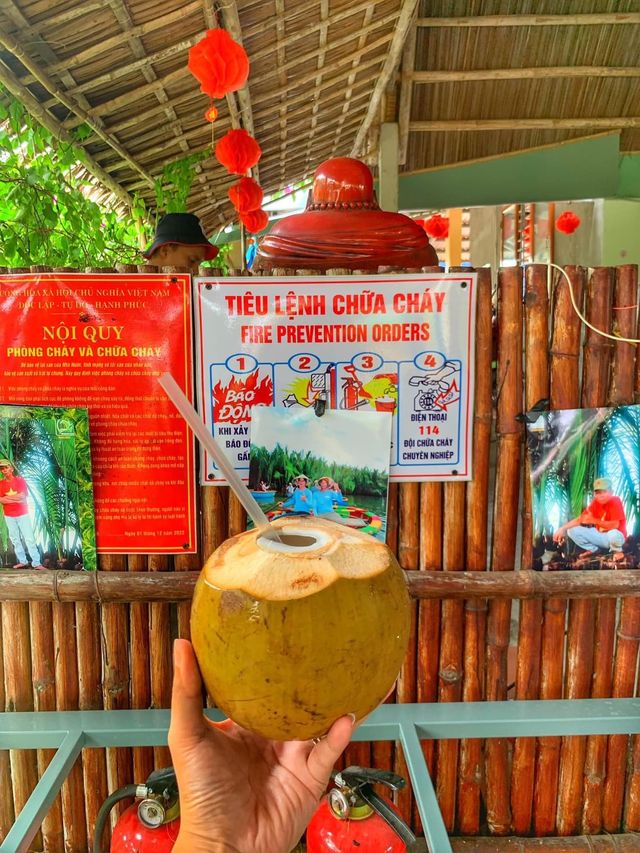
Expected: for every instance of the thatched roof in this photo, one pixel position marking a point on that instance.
(324, 74)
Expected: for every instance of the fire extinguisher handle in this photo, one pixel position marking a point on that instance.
(387, 814)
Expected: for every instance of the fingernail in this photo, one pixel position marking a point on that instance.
(176, 656)
(353, 719)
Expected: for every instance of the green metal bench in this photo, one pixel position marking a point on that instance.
(71, 731)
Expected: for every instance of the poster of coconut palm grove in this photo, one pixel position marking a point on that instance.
(585, 481)
(46, 491)
(334, 467)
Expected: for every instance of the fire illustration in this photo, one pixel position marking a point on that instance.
(232, 403)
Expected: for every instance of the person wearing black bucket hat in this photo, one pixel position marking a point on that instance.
(180, 242)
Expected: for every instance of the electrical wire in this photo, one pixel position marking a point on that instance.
(121, 794)
(611, 337)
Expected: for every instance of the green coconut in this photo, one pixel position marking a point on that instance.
(290, 636)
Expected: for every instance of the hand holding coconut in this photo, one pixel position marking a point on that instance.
(240, 792)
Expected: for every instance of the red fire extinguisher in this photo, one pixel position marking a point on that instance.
(353, 817)
(148, 826)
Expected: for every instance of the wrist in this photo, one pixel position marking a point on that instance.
(188, 843)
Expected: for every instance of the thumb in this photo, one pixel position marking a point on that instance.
(187, 718)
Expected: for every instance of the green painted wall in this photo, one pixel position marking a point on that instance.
(587, 168)
(620, 232)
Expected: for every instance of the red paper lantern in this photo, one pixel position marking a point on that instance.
(437, 226)
(255, 220)
(238, 151)
(219, 64)
(246, 195)
(568, 222)
(211, 114)
(420, 222)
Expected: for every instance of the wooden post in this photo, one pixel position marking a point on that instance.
(475, 610)
(19, 697)
(388, 158)
(509, 437)
(7, 814)
(453, 243)
(620, 393)
(530, 627)
(565, 385)
(580, 634)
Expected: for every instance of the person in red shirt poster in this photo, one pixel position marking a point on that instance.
(13, 498)
(603, 524)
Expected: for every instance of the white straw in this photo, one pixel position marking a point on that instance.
(174, 392)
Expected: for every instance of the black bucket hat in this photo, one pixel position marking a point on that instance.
(184, 229)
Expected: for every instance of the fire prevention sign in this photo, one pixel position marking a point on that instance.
(402, 344)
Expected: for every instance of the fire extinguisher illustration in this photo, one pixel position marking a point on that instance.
(148, 826)
(353, 816)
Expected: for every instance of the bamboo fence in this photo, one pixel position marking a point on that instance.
(480, 630)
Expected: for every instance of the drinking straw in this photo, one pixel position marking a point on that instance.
(174, 392)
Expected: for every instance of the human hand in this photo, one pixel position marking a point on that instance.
(241, 793)
(558, 536)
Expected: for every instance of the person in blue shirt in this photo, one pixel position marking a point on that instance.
(302, 499)
(323, 498)
(338, 497)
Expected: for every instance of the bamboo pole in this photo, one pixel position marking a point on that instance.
(509, 435)
(574, 20)
(428, 631)
(67, 699)
(451, 647)
(94, 764)
(125, 587)
(632, 816)
(580, 646)
(526, 123)
(7, 815)
(115, 681)
(429, 617)
(139, 628)
(565, 384)
(620, 393)
(477, 510)
(19, 697)
(408, 557)
(628, 639)
(530, 626)
(538, 72)
(44, 699)
(383, 752)
(161, 658)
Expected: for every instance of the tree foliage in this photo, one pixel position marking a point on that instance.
(279, 466)
(48, 212)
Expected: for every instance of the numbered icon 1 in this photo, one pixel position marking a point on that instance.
(241, 362)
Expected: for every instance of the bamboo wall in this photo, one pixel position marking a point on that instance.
(90, 655)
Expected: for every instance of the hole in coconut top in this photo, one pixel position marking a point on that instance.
(294, 541)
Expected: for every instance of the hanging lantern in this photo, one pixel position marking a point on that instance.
(255, 220)
(420, 222)
(219, 64)
(211, 114)
(437, 227)
(568, 222)
(246, 195)
(238, 151)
